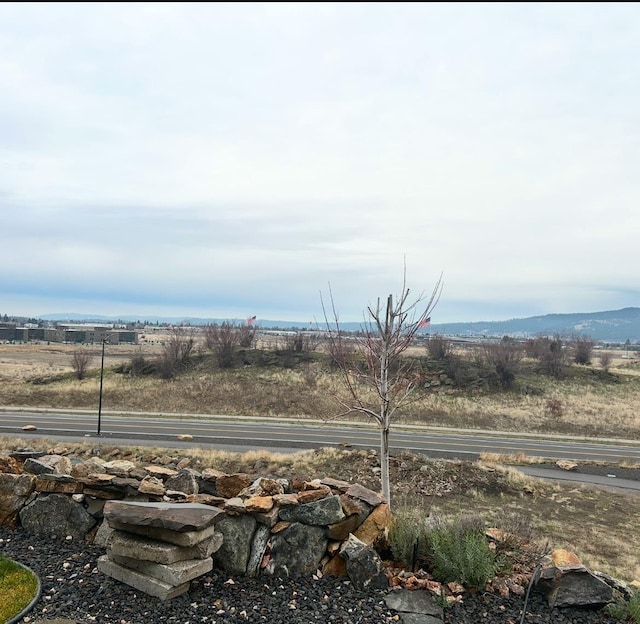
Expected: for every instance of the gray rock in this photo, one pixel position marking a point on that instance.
(188, 538)
(185, 481)
(173, 574)
(364, 566)
(365, 494)
(175, 517)
(262, 487)
(258, 548)
(143, 582)
(573, 586)
(297, 550)
(24, 454)
(103, 535)
(15, 491)
(321, 512)
(59, 463)
(137, 547)
(36, 467)
(237, 531)
(118, 467)
(413, 601)
(56, 515)
(95, 506)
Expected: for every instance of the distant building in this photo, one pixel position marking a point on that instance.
(68, 333)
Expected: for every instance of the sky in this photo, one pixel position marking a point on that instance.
(225, 161)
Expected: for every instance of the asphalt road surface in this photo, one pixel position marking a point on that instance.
(223, 432)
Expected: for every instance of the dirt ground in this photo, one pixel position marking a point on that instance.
(23, 361)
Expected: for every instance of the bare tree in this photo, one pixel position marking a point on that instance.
(582, 349)
(80, 362)
(299, 342)
(247, 335)
(224, 339)
(176, 352)
(551, 353)
(504, 358)
(605, 360)
(438, 347)
(388, 330)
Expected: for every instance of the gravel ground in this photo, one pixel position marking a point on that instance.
(72, 588)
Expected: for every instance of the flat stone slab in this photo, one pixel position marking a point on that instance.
(181, 517)
(189, 538)
(173, 574)
(413, 601)
(368, 496)
(138, 547)
(144, 583)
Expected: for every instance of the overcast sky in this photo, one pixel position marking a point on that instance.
(230, 160)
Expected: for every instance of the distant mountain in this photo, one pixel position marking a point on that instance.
(607, 326)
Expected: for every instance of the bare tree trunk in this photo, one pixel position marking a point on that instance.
(384, 463)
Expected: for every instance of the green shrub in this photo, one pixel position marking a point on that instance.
(408, 528)
(460, 552)
(626, 610)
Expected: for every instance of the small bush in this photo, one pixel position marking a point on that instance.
(605, 361)
(139, 366)
(582, 349)
(80, 362)
(408, 528)
(554, 408)
(504, 359)
(460, 552)
(626, 610)
(176, 353)
(438, 348)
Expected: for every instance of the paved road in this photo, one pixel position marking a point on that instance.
(243, 434)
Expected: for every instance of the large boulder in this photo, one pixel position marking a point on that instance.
(297, 550)
(237, 531)
(15, 490)
(568, 583)
(364, 566)
(56, 515)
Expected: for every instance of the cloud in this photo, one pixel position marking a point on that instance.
(221, 156)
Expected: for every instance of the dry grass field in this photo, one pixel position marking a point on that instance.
(587, 402)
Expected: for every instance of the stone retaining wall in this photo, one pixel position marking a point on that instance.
(285, 527)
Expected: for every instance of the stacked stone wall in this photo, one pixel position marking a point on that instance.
(276, 526)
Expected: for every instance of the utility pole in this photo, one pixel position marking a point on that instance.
(104, 341)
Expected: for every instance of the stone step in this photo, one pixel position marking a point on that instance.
(173, 574)
(137, 547)
(140, 581)
(189, 538)
(182, 518)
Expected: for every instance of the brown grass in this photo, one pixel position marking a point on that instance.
(587, 403)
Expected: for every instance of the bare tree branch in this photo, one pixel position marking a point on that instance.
(379, 366)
